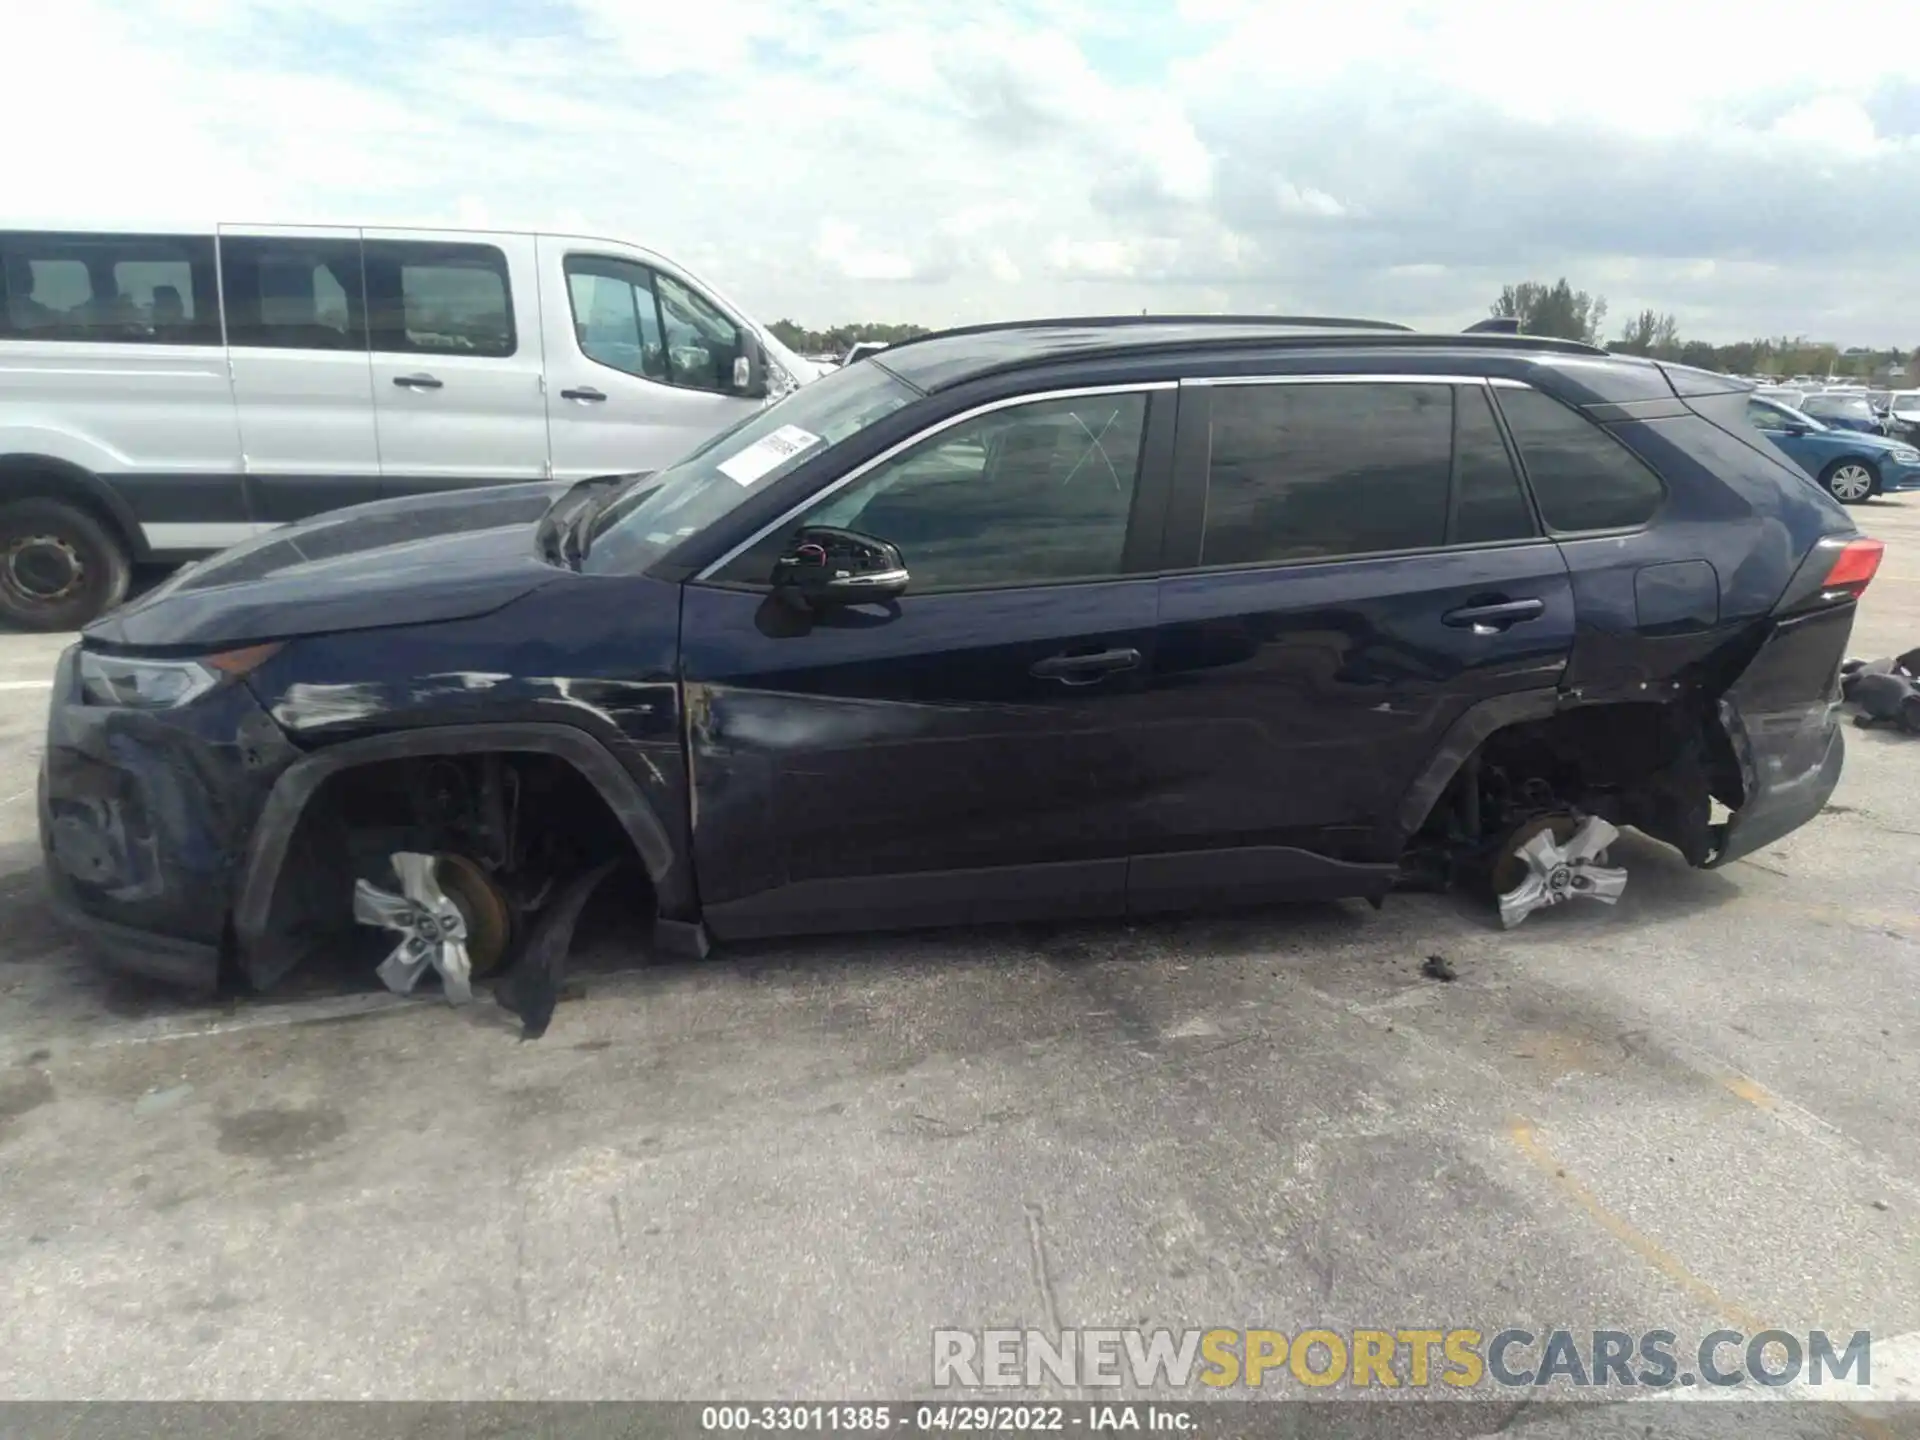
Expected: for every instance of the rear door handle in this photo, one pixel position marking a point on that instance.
(1495, 616)
(417, 382)
(583, 392)
(1084, 669)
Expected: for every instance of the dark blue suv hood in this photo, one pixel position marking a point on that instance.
(445, 556)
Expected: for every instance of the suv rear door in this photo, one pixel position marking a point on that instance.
(1352, 562)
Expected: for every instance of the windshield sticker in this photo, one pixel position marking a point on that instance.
(766, 453)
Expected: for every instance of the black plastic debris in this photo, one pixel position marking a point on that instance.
(1885, 692)
(1438, 967)
(532, 987)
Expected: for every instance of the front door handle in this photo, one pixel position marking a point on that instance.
(417, 382)
(1495, 616)
(583, 392)
(1084, 669)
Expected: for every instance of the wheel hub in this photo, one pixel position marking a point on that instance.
(1554, 860)
(433, 932)
(43, 568)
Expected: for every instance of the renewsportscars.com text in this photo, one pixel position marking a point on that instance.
(1363, 1359)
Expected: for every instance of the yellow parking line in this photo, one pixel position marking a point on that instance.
(1522, 1133)
(1526, 1139)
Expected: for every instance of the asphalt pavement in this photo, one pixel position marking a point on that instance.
(777, 1172)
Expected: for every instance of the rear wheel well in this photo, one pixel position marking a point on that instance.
(1657, 766)
(25, 477)
(527, 820)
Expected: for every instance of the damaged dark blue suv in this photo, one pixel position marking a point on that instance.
(1065, 618)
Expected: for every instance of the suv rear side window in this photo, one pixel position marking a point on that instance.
(434, 299)
(1583, 478)
(116, 289)
(1304, 471)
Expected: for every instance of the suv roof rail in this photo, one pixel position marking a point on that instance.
(1494, 325)
(1316, 322)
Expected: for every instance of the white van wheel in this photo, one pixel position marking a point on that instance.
(59, 566)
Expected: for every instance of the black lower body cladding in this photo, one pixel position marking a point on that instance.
(1782, 718)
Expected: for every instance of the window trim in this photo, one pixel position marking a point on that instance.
(704, 576)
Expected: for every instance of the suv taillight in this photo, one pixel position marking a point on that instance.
(1854, 567)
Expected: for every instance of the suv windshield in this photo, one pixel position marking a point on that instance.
(654, 514)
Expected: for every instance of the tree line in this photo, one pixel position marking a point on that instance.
(1560, 310)
(835, 339)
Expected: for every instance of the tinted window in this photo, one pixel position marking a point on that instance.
(616, 319)
(119, 289)
(294, 293)
(432, 299)
(1023, 496)
(702, 343)
(1302, 471)
(1583, 478)
(1489, 504)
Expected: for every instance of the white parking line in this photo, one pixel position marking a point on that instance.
(26, 684)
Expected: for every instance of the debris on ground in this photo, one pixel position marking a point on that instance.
(1438, 967)
(1886, 692)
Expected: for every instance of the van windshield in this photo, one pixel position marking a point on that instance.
(655, 514)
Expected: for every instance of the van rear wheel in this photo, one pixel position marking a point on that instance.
(59, 567)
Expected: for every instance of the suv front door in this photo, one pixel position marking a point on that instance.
(1352, 563)
(970, 751)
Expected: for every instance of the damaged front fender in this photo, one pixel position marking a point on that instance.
(1781, 719)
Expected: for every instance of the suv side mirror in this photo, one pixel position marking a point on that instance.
(825, 566)
(750, 368)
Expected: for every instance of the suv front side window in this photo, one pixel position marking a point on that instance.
(1032, 494)
(616, 319)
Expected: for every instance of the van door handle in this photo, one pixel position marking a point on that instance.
(417, 382)
(1495, 616)
(1084, 669)
(583, 392)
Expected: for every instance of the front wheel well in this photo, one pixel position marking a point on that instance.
(527, 820)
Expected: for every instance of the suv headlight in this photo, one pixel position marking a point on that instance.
(131, 683)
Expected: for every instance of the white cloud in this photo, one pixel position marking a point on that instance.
(892, 159)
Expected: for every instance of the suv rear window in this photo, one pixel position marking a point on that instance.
(1583, 478)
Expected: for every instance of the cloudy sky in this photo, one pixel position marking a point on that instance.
(1753, 167)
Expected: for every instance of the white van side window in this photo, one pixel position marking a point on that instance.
(616, 319)
(294, 293)
(113, 289)
(439, 299)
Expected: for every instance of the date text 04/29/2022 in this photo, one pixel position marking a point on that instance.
(946, 1418)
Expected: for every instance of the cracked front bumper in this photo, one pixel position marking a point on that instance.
(144, 818)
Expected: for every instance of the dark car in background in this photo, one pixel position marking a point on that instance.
(1070, 618)
(1853, 466)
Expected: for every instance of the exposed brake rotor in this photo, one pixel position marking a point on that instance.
(449, 916)
(1552, 859)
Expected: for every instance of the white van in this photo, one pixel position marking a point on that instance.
(165, 394)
